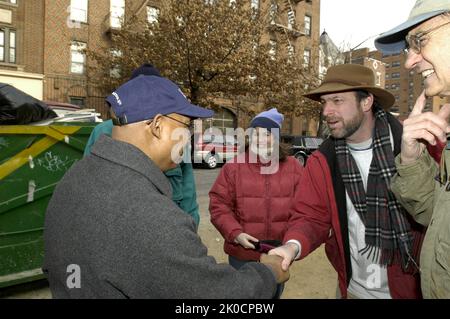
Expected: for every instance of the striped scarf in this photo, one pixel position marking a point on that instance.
(388, 235)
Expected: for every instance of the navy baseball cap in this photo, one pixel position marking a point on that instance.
(393, 41)
(144, 97)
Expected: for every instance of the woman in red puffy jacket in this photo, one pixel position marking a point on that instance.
(252, 196)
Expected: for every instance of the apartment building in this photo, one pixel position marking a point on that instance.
(304, 41)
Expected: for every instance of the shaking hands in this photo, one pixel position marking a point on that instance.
(274, 263)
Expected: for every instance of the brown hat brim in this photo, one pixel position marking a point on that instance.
(384, 97)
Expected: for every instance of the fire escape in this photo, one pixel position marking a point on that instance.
(290, 28)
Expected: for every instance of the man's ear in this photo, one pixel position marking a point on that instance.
(367, 103)
(156, 126)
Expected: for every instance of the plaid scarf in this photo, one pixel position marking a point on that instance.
(388, 235)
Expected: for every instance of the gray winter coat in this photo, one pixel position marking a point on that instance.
(112, 218)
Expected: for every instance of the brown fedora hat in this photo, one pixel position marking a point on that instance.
(351, 77)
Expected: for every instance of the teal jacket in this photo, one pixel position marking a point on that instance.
(181, 178)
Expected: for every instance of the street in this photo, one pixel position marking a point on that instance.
(312, 277)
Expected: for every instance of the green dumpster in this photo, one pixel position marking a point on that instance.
(32, 161)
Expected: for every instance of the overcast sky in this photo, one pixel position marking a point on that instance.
(349, 22)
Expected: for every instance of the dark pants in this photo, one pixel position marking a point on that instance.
(237, 263)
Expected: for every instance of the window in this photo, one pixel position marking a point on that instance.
(306, 58)
(273, 11)
(255, 4)
(2, 46)
(387, 76)
(272, 49)
(80, 101)
(12, 46)
(395, 86)
(117, 13)
(78, 58)
(290, 19)
(378, 78)
(395, 64)
(307, 25)
(10, 1)
(395, 75)
(291, 51)
(7, 45)
(79, 10)
(116, 70)
(152, 14)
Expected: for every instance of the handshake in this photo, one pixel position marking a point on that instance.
(279, 260)
(274, 263)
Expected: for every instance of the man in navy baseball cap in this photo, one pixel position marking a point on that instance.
(144, 97)
(153, 114)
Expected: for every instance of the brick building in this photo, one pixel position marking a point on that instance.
(40, 41)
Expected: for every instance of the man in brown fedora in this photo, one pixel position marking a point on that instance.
(344, 198)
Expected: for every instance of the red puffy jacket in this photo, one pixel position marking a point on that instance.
(244, 200)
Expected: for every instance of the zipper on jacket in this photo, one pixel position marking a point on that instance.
(267, 195)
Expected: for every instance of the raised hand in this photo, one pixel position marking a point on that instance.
(274, 262)
(420, 128)
(288, 252)
(245, 240)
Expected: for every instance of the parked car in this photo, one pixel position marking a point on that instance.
(212, 150)
(71, 113)
(302, 146)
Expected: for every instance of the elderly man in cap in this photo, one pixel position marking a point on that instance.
(111, 228)
(421, 185)
(344, 199)
(181, 178)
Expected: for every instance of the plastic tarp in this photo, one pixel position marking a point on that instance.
(18, 108)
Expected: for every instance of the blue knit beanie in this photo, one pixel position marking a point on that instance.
(268, 119)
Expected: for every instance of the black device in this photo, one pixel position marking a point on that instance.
(264, 246)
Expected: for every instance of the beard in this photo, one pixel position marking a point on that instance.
(349, 127)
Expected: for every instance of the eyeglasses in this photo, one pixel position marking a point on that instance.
(189, 126)
(416, 42)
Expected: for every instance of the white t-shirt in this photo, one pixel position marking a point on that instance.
(369, 280)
